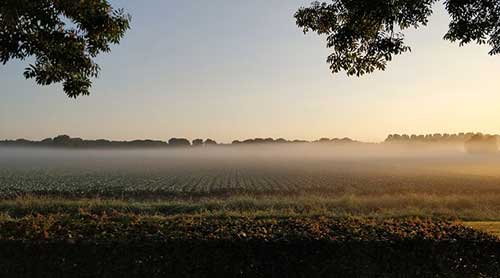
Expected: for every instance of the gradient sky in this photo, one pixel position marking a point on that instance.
(234, 69)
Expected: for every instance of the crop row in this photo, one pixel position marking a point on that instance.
(220, 181)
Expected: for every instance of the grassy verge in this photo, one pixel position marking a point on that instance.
(491, 227)
(381, 206)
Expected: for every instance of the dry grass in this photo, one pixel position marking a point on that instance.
(453, 207)
(492, 227)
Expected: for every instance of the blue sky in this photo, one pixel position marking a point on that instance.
(238, 69)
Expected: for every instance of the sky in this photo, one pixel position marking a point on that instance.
(236, 69)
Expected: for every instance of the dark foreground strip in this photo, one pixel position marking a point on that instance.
(250, 258)
(121, 245)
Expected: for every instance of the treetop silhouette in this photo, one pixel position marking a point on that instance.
(64, 36)
(365, 34)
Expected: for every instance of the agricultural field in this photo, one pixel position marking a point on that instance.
(249, 213)
(453, 186)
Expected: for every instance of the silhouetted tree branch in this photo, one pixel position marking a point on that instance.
(365, 34)
(64, 36)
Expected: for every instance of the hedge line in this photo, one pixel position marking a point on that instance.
(121, 245)
(127, 227)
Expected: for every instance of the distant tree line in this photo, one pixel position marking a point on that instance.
(459, 138)
(285, 141)
(472, 142)
(65, 141)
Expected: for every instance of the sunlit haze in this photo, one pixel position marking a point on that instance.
(242, 69)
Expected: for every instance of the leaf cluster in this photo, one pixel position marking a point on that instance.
(64, 37)
(365, 34)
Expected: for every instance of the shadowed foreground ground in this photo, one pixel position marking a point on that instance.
(119, 245)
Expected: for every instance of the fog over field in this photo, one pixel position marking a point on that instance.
(353, 179)
(237, 169)
(438, 158)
